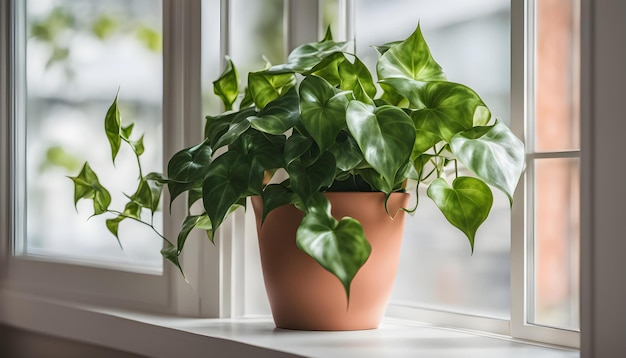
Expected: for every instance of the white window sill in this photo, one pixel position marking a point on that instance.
(168, 336)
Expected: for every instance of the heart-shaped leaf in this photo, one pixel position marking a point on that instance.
(265, 86)
(226, 86)
(385, 135)
(279, 115)
(441, 108)
(323, 110)
(494, 153)
(356, 77)
(225, 183)
(411, 59)
(346, 75)
(466, 204)
(338, 246)
(328, 68)
(188, 167)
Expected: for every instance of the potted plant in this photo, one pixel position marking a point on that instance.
(322, 124)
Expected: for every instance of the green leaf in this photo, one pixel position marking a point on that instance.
(191, 222)
(127, 131)
(442, 108)
(193, 195)
(138, 147)
(235, 130)
(494, 153)
(338, 246)
(381, 49)
(187, 167)
(349, 76)
(247, 100)
(323, 110)
(278, 116)
(155, 182)
(308, 179)
(357, 78)
(296, 146)
(226, 86)
(385, 135)
(143, 195)
(264, 149)
(112, 128)
(411, 59)
(304, 57)
(346, 152)
(266, 86)
(150, 38)
(374, 179)
(466, 204)
(328, 36)
(171, 253)
(226, 181)
(277, 195)
(131, 210)
(217, 126)
(87, 186)
(328, 68)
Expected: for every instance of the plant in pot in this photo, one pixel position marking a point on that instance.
(329, 156)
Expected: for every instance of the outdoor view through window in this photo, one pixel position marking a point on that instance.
(78, 54)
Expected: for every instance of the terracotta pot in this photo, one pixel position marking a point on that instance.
(305, 296)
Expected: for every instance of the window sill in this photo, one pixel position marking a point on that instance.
(167, 336)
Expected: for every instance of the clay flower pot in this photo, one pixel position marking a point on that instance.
(305, 296)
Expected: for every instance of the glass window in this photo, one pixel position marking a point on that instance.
(555, 162)
(79, 53)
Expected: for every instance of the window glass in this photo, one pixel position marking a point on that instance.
(557, 224)
(554, 301)
(472, 44)
(79, 53)
(557, 69)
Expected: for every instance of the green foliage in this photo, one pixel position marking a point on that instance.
(334, 131)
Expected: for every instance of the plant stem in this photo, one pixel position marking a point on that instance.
(142, 222)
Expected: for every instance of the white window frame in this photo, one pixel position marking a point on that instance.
(217, 272)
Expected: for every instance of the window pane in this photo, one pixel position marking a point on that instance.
(255, 31)
(557, 236)
(472, 44)
(78, 54)
(557, 75)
